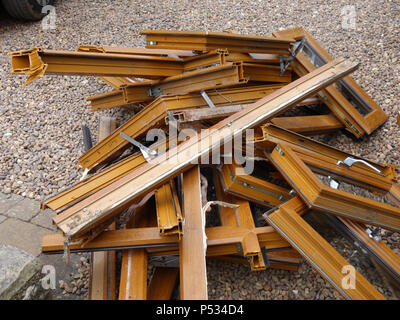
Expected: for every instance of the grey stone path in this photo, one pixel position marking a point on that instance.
(23, 224)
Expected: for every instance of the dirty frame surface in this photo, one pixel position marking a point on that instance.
(104, 204)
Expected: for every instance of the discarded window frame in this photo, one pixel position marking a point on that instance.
(362, 108)
(301, 172)
(317, 251)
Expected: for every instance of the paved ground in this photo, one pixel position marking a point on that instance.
(23, 224)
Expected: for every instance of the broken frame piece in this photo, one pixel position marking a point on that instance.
(99, 180)
(301, 171)
(102, 280)
(386, 258)
(136, 51)
(213, 77)
(102, 267)
(193, 245)
(225, 96)
(219, 240)
(268, 136)
(310, 125)
(89, 215)
(133, 282)
(318, 252)
(283, 259)
(240, 217)
(345, 94)
(206, 41)
(37, 62)
(93, 183)
(236, 182)
(169, 216)
(153, 116)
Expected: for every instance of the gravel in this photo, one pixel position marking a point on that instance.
(40, 124)
(78, 282)
(233, 281)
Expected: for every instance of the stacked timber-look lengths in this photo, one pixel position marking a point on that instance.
(151, 186)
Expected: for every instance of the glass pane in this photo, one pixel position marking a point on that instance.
(350, 250)
(381, 196)
(313, 56)
(352, 97)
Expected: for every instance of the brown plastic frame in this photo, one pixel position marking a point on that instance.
(368, 122)
(294, 167)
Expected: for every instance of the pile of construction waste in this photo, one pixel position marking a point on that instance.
(223, 130)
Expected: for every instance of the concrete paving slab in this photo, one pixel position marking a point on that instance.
(8, 201)
(3, 196)
(23, 235)
(20, 272)
(24, 210)
(45, 219)
(2, 218)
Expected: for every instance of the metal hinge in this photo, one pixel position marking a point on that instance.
(286, 61)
